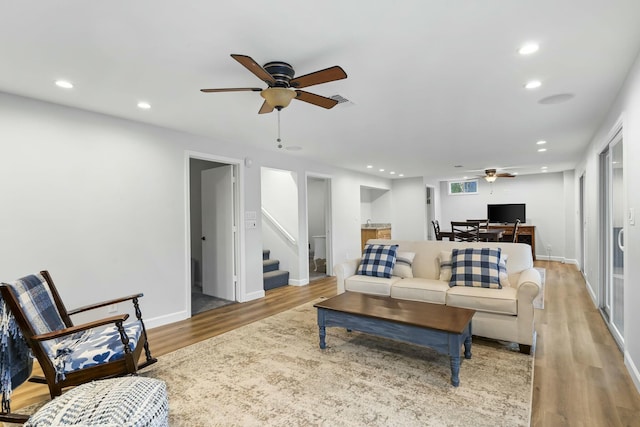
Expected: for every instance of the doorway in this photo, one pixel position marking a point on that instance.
(213, 219)
(319, 226)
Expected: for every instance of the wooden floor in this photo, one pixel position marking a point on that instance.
(579, 378)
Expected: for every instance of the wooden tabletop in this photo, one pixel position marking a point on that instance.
(416, 313)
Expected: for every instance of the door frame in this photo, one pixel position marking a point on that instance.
(328, 219)
(615, 136)
(238, 208)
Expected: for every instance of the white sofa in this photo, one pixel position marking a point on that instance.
(504, 314)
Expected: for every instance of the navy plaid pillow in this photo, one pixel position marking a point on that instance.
(475, 267)
(378, 260)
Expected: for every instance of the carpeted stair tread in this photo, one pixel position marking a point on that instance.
(275, 279)
(270, 265)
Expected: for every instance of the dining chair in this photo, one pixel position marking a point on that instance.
(436, 229)
(465, 231)
(515, 231)
(483, 223)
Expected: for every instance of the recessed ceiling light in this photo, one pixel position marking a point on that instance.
(544, 171)
(543, 167)
(369, 166)
(541, 142)
(64, 84)
(381, 170)
(144, 105)
(528, 48)
(541, 150)
(392, 173)
(533, 84)
(401, 174)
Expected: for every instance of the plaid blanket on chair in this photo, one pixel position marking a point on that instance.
(16, 360)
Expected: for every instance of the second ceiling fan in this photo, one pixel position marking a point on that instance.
(491, 175)
(282, 86)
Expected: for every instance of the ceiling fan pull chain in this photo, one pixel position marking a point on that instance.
(279, 140)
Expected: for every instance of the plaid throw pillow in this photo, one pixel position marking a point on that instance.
(378, 260)
(475, 267)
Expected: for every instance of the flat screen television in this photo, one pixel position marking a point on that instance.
(507, 213)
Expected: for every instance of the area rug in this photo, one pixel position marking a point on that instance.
(538, 301)
(272, 372)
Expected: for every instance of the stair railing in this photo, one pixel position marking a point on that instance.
(278, 226)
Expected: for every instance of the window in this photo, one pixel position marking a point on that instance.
(463, 187)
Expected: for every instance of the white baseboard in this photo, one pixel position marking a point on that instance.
(252, 296)
(633, 370)
(298, 282)
(154, 322)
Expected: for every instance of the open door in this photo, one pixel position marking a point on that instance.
(218, 244)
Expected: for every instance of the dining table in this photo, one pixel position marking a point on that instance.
(485, 234)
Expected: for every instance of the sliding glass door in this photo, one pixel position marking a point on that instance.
(613, 221)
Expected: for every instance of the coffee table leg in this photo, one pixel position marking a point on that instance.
(323, 334)
(467, 347)
(455, 370)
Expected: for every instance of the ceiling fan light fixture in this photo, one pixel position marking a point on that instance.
(278, 97)
(490, 178)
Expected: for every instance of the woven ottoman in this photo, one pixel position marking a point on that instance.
(123, 402)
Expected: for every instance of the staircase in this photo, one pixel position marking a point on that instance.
(272, 276)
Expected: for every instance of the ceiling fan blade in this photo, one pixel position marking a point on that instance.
(505, 175)
(266, 108)
(322, 76)
(314, 99)
(256, 69)
(233, 89)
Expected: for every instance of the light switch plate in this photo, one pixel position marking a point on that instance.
(632, 216)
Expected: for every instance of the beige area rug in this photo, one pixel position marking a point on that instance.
(272, 372)
(538, 301)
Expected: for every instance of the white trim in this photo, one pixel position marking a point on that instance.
(166, 319)
(633, 370)
(299, 282)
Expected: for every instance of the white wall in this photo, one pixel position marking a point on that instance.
(375, 205)
(627, 109)
(101, 202)
(542, 193)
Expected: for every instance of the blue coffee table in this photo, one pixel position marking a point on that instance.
(443, 328)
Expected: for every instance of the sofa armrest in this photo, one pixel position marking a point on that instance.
(528, 288)
(528, 285)
(345, 270)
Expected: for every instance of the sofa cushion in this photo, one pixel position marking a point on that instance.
(370, 285)
(502, 301)
(417, 289)
(378, 260)
(404, 265)
(475, 267)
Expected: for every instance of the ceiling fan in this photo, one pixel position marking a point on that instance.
(491, 175)
(282, 86)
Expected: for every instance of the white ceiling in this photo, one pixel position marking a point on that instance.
(432, 83)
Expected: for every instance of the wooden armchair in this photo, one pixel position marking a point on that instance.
(464, 231)
(71, 354)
